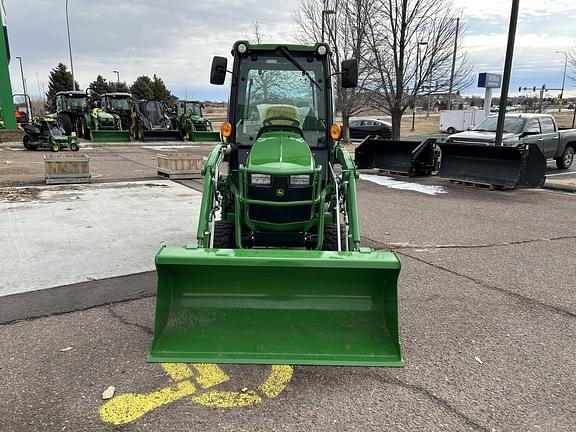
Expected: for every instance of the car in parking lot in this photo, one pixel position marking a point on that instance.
(361, 128)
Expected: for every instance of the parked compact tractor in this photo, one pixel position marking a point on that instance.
(190, 120)
(278, 274)
(101, 126)
(151, 123)
(45, 133)
(70, 106)
(120, 105)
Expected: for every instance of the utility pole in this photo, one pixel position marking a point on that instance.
(118, 76)
(561, 101)
(453, 64)
(324, 13)
(507, 71)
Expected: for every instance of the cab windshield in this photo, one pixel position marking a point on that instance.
(120, 104)
(272, 90)
(193, 108)
(76, 102)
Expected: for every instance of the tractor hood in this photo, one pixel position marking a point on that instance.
(280, 152)
(105, 116)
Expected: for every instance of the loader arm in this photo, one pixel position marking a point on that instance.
(349, 176)
(208, 174)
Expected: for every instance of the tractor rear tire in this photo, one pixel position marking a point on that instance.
(224, 235)
(66, 122)
(331, 238)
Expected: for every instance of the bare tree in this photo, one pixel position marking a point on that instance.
(410, 50)
(345, 32)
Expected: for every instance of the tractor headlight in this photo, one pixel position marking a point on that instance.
(322, 50)
(300, 180)
(73, 133)
(260, 179)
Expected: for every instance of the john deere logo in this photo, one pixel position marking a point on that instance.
(279, 192)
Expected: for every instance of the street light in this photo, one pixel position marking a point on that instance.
(324, 13)
(26, 99)
(70, 48)
(563, 79)
(118, 76)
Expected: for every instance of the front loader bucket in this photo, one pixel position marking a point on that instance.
(205, 136)
(507, 167)
(413, 158)
(109, 136)
(268, 306)
(162, 135)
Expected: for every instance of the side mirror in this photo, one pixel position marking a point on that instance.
(349, 72)
(218, 71)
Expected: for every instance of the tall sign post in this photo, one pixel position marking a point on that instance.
(489, 81)
(7, 117)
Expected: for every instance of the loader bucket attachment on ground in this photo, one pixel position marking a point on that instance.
(162, 135)
(414, 158)
(109, 136)
(205, 136)
(268, 306)
(507, 167)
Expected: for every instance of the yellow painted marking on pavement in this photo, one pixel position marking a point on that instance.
(177, 371)
(277, 381)
(128, 407)
(227, 399)
(209, 375)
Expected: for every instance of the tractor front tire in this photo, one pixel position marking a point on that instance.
(224, 235)
(74, 147)
(55, 147)
(330, 242)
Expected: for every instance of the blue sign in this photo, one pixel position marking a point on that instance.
(489, 80)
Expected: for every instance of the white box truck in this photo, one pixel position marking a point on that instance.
(460, 120)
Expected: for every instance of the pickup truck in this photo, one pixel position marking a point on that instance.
(520, 129)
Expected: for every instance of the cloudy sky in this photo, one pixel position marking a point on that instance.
(177, 39)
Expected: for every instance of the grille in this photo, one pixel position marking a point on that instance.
(299, 213)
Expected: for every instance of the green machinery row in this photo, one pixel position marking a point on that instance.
(115, 117)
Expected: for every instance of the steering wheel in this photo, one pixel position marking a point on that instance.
(269, 120)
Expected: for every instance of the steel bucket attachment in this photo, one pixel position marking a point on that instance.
(162, 135)
(268, 306)
(205, 136)
(414, 158)
(109, 136)
(507, 167)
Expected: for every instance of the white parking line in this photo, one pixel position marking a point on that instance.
(396, 184)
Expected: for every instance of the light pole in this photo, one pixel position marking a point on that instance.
(453, 64)
(70, 48)
(26, 98)
(563, 79)
(324, 13)
(117, 76)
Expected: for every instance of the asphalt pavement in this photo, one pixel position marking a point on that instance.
(487, 320)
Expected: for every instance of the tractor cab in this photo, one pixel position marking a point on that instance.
(70, 106)
(119, 104)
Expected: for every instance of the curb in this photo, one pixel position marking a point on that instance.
(560, 187)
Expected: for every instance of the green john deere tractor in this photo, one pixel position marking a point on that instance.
(278, 274)
(120, 104)
(70, 106)
(191, 122)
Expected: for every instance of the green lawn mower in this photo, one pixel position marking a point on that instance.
(45, 133)
(277, 275)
